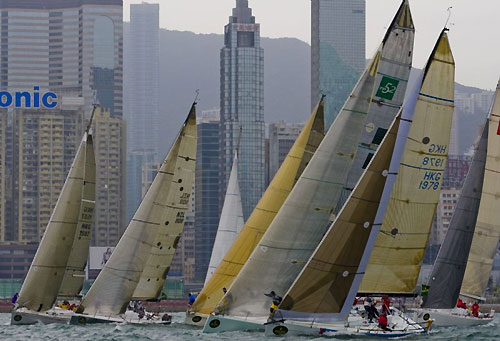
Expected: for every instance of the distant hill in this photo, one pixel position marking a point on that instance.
(190, 61)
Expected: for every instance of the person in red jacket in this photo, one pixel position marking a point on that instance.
(461, 304)
(382, 322)
(386, 303)
(475, 309)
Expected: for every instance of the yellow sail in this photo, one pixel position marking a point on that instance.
(395, 262)
(487, 232)
(264, 213)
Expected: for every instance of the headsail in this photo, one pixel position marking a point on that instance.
(487, 232)
(145, 250)
(231, 221)
(292, 167)
(41, 286)
(321, 292)
(449, 268)
(395, 262)
(75, 269)
(306, 214)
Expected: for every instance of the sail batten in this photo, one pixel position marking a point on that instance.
(338, 163)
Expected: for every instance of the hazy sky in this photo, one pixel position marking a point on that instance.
(474, 35)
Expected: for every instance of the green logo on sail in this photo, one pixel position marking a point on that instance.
(387, 88)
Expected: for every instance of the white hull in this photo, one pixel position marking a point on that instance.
(218, 324)
(129, 317)
(194, 319)
(24, 316)
(451, 317)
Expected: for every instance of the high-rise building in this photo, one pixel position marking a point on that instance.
(337, 51)
(3, 172)
(142, 111)
(70, 47)
(110, 207)
(282, 136)
(207, 190)
(242, 105)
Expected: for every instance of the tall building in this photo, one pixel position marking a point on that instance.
(207, 190)
(42, 144)
(282, 136)
(242, 105)
(3, 173)
(110, 207)
(70, 47)
(337, 51)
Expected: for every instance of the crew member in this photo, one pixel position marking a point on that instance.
(382, 322)
(475, 309)
(371, 309)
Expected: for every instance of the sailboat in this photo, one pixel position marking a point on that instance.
(231, 221)
(308, 211)
(139, 264)
(478, 197)
(268, 206)
(59, 264)
(320, 300)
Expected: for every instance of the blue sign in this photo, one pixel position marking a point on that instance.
(23, 99)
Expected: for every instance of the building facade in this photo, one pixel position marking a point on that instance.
(207, 191)
(337, 51)
(282, 136)
(242, 105)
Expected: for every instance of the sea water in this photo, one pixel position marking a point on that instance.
(178, 331)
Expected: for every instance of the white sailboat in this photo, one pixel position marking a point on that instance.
(477, 201)
(307, 212)
(139, 264)
(231, 221)
(61, 257)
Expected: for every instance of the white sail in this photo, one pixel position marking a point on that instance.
(45, 276)
(146, 248)
(231, 221)
(307, 212)
(487, 231)
(75, 268)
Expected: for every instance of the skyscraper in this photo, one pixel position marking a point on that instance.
(282, 136)
(242, 105)
(337, 51)
(142, 103)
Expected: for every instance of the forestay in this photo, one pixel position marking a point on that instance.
(280, 187)
(487, 231)
(395, 262)
(449, 268)
(231, 221)
(44, 278)
(144, 252)
(307, 212)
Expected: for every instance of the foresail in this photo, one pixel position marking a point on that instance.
(449, 268)
(487, 232)
(75, 268)
(44, 278)
(231, 221)
(321, 291)
(306, 214)
(149, 228)
(395, 262)
(292, 167)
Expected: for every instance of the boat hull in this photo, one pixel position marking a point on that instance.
(197, 320)
(450, 317)
(128, 317)
(218, 324)
(26, 317)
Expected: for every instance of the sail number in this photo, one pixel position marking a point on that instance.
(433, 161)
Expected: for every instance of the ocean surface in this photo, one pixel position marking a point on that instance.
(178, 331)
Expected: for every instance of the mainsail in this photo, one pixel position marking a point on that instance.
(449, 267)
(75, 268)
(320, 293)
(487, 231)
(231, 221)
(395, 262)
(45, 276)
(280, 187)
(144, 252)
(307, 212)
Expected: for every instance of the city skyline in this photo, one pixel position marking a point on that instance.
(468, 24)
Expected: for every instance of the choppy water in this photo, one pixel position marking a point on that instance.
(179, 331)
